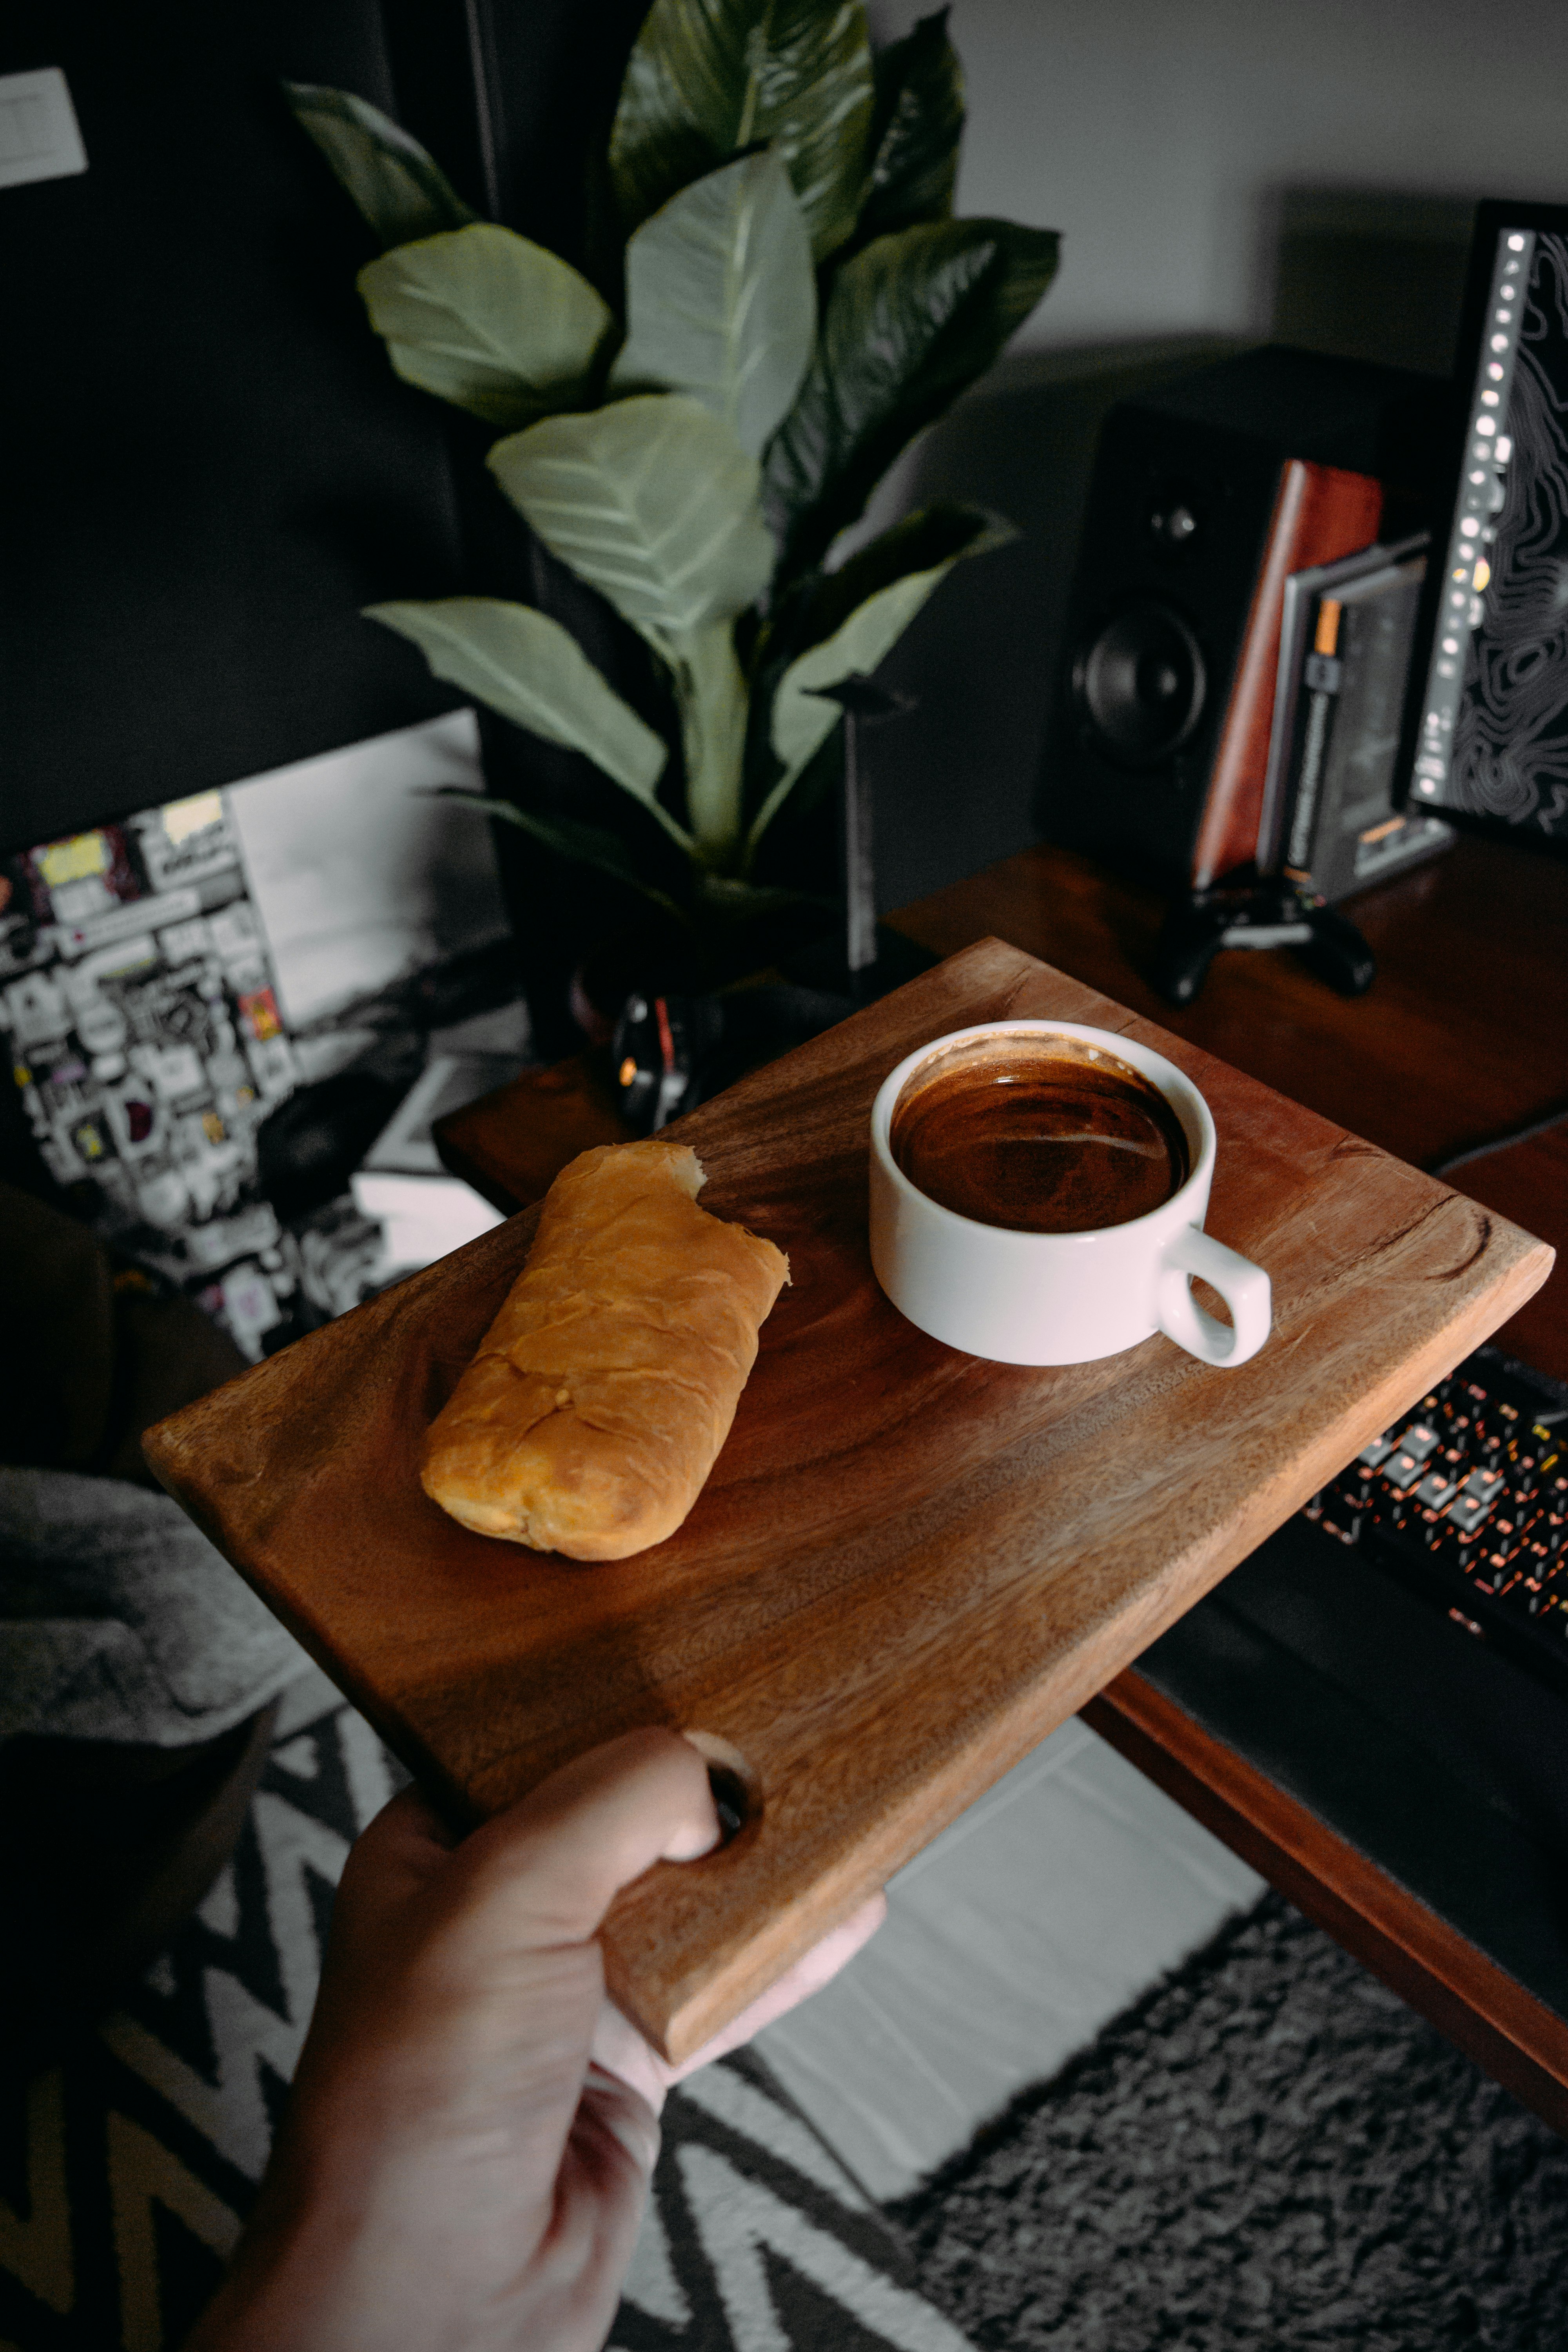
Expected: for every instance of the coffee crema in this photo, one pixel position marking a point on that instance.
(1047, 1135)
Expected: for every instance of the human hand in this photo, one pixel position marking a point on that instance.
(467, 2145)
(620, 2049)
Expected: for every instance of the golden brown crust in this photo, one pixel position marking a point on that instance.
(602, 1392)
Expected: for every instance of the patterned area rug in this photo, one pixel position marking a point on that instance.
(126, 2171)
(1267, 2150)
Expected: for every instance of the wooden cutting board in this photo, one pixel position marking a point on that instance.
(909, 1565)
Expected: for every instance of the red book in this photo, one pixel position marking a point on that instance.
(1320, 514)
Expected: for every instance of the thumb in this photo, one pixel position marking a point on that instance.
(544, 1873)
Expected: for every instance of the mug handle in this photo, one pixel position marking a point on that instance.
(1245, 1289)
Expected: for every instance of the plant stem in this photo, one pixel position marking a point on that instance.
(710, 695)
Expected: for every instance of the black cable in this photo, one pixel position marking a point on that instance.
(1500, 1142)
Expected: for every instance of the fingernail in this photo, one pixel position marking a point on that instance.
(627, 2117)
(695, 1839)
(641, 2141)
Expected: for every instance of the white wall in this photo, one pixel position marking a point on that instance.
(1301, 171)
(1158, 134)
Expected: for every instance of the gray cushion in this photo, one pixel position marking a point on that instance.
(119, 1621)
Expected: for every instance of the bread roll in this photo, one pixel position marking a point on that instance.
(603, 1390)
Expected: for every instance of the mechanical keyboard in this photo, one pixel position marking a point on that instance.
(1466, 1501)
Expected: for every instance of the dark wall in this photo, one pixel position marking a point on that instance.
(512, 96)
(207, 465)
(954, 783)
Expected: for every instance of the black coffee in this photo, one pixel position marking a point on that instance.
(1057, 1137)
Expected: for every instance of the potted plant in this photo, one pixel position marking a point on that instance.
(782, 300)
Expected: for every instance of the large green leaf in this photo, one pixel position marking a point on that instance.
(911, 321)
(854, 618)
(709, 77)
(588, 844)
(915, 131)
(490, 322)
(927, 542)
(653, 502)
(721, 300)
(401, 192)
(527, 667)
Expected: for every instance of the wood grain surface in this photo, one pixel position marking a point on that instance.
(909, 1565)
(513, 1143)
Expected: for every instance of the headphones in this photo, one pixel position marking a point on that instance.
(671, 1053)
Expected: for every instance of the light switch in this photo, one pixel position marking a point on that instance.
(38, 134)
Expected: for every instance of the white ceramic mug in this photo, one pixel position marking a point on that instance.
(1063, 1298)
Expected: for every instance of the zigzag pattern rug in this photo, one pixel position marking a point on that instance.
(125, 2172)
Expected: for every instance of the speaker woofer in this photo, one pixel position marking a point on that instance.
(1142, 684)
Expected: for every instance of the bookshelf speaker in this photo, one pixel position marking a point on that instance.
(1204, 496)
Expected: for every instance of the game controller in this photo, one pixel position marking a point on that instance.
(1270, 914)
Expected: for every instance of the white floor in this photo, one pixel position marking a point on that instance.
(1010, 1941)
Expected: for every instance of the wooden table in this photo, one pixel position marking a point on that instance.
(1463, 1037)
